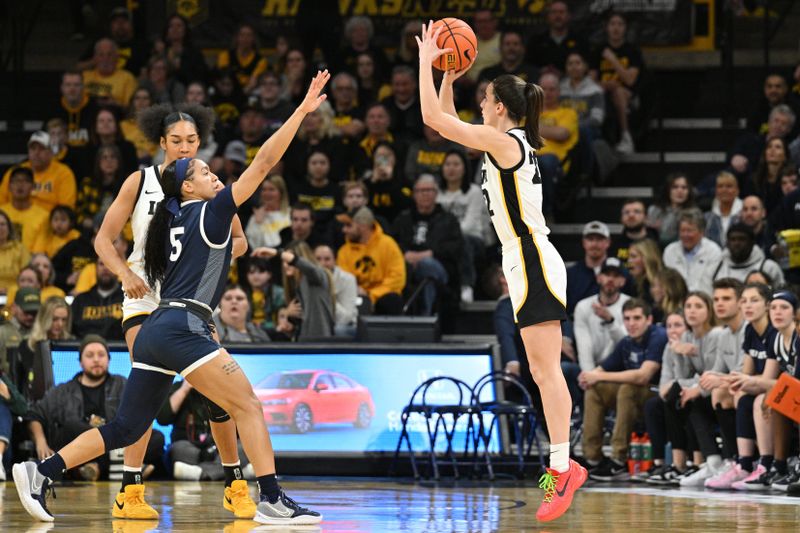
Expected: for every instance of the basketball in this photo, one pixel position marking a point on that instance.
(459, 37)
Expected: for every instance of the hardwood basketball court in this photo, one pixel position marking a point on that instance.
(389, 505)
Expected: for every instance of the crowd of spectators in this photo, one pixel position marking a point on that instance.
(369, 207)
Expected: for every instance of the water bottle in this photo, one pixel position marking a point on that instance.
(634, 454)
(646, 452)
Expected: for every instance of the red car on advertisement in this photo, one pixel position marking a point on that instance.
(301, 399)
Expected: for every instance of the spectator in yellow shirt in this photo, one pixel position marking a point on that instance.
(31, 277)
(375, 259)
(28, 219)
(13, 255)
(60, 232)
(107, 83)
(559, 128)
(54, 182)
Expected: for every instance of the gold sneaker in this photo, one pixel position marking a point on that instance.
(131, 505)
(238, 501)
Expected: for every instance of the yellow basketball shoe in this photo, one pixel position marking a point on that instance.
(238, 501)
(131, 505)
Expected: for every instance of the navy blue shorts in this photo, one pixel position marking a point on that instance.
(173, 341)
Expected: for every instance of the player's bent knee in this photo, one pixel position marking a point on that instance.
(120, 434)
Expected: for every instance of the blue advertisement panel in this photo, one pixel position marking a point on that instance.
(344, 402)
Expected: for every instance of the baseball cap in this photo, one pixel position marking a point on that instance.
(236, 151)
(89, 339)
(612, 264)
(41, 137)
(28, 299)
(120, 12)
(362, 215)
(595, 227)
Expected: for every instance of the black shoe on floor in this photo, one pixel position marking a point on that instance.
(610, 470)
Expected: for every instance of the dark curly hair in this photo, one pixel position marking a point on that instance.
(156, 121)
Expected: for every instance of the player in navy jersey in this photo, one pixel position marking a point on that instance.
(187, 252)
(537, 279)
(179, 132)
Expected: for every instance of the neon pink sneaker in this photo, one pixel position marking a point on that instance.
(755, 474)
(726, 478)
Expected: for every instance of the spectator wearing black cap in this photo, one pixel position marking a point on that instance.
(99, 310)
(742, 256)
(55, 182)
(88, 400)
(598, 318)
(582, 275)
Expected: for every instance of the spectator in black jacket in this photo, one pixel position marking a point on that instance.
(87, 401)
(99, 310)
(404, 107)
(431, 241)
(551, 48)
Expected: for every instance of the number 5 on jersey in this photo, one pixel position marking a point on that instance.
(177, 246)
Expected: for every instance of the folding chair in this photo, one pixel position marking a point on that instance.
(522, 417)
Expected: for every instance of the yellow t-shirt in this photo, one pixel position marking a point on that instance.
(54, 186)
(29, 223)
(49, 243)
(86, 279)
(131, 132)
(13, 256)
(46, 292)
(120, 86)
(565, 118)
(246, 68)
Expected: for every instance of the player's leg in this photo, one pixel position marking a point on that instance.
(136, 411)
(129, 503)
(760, 479)
(223, 382)
(236, 496)
(543, 348)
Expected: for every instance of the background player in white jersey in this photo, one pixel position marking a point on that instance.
(512, 187)
(179, 133)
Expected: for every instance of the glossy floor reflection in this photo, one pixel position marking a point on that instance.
(384, 506)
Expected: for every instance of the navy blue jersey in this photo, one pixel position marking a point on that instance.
(787, 357)
(199, 253)
(755, 346)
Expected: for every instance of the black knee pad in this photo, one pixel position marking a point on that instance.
(215, 412)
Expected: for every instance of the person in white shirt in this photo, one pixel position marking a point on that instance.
(694, 256)
(598, 318)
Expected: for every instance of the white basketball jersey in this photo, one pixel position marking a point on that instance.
(147, 199)
(514, 195)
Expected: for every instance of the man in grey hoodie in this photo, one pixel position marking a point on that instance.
(741, 256)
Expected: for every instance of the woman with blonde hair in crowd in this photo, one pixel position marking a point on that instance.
(53, 322)
(316, 133)
(307, 289)
(644, 263)
(668, 290)
(271, 215)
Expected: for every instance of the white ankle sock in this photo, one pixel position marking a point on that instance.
(559, 457)
(714, 462)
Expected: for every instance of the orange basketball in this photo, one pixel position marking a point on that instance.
(459, 37)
